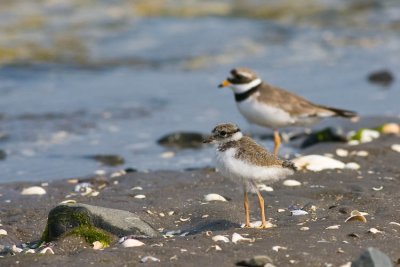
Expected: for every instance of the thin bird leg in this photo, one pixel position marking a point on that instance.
(261, 203)
(277, 142)
(246, 210)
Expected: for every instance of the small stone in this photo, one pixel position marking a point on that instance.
(277, 248)
(263, 187)
(390, 128)
(372, 257)
(291, 183)
(149, 259)
(317, 163)
(362, 153)
(381, 77)
(333, 227)
(237, 238)
(256, 261)
(182, 140)
(220, 238)
(3, 232)
(374, 231)
(298, 212)
(130, 242)
(33, 190)
(97, 245)
(396, 147)
(304, 228)
(167, 155)
(214, 197)
(352, 166)
(140, 196)
(342, 152)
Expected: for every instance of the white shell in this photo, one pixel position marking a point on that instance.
(352, 166)
(333, 227)
(396, 147)
(342, 152)
(140, 196)
(16, 249)
(377, 188)
(395, 223)
(3, 232)
(317, 163)
(130, 242)
(291, 183)
(362, 153)
(263, 187)
(68, 201)
(97, 245)
(374, 231)
(277, 248)
(304, 228)
(298, 212)
(33, 190)
(137, 188)
(220, 238)
(214, 197)
(236, 238)
(47, 250)
(149, 258)
(30, 251)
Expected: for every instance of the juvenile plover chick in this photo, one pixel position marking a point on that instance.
(241, 159)
(273, 107)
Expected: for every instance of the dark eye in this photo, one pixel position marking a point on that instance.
(222, 133)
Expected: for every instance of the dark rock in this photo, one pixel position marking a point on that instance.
(67, 217)
(3, 154)
(325, 135)
(129, 170)
(353, 235)
(256, 261)
(109, 160)
(372, 257)
(382, 77)
(182, 140)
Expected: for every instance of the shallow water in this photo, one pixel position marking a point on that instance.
(148, 77)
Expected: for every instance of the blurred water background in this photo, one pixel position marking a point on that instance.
(84, 77)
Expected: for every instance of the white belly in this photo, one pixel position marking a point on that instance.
(241, 171)
(271, 117)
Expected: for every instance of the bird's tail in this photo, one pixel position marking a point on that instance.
(341, 112)
(288, 164)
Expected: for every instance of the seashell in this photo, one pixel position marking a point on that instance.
(357, 216)
(184, 219)
(3, 232)
(149, 258)
(377, 188)
(277, 248)
(98, 245)
(16, 249)
(217, 248)
(184, 234)
(170, 213)
(161, 214)
(172, 233)
(214, 197)
(291, 183)
(30, 251)
(205, 216)
(281, 210)
(137, 188)
(237, 238)
(342, 152)
(263, 187)
(47, 250)
(298, 212)
(374, 231)
(140, 196)
(352, 166)
(317, 163)
(304, 228)
(395, 147)
(68, 201)
(333, 227)
(95, 193)
(220, 238)
(395, 223)
(130, 242)
(33, 190)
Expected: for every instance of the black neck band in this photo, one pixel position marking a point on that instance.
(243, 96)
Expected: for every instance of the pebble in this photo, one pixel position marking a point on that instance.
(352, 166)
(298, 212)
(304, 228)
(167, 155)
(362, 153)
(277, 248)
(342, 152)
(97, 245)
(140, 196)
(333, 227)
(317, 163)
(33, 190)
(3, 232)
(220, 238)
(263, 187)
(390, 128)
(396, 147)
(291, 183)
(149, 258)
(257, 261)
(130, 242)
(214, 197)
(374, 231)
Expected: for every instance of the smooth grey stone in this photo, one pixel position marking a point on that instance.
(66, 217)
(257, 261)
(372, 257)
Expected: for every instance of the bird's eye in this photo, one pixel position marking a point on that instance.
(222, 133)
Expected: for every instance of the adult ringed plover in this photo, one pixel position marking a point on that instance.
(273, 107)
(241, 159)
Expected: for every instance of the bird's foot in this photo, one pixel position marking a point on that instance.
(266, 225)
(247, 225)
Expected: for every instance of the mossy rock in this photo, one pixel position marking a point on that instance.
(94, 223)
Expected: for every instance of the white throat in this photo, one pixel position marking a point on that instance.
(241, 88)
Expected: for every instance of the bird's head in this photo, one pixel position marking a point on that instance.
(241, 80)
(223, 133)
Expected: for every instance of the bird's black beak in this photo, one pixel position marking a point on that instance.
(209, 140)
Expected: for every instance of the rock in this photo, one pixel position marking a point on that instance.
(372, 257)
(108, 160)
(182, 140)
(256, 261)
(3, 154)
(381, 77)
(83, 219)
(325, 135)
(33, 190)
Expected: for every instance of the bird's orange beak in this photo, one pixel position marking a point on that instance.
(224, 83)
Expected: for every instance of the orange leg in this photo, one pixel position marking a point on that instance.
(261, 203)
(246, 210)
(277, 142)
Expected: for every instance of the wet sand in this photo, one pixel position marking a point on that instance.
(334, 193)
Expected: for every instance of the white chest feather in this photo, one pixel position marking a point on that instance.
(264, 115)
(240, 170)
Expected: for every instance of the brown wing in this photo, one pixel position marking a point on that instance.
(294, 104)
(255, 154)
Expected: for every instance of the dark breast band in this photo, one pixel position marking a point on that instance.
(243, 96)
